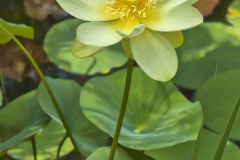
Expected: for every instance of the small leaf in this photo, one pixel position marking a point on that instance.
(233, 15)
(16, 30)
(21, 119)
(150, 120)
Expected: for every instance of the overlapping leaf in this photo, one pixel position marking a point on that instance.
(209, 48)
(67, 93)
(58, 45)
(21, 119)
(47, 143)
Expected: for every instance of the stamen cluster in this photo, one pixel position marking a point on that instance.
(131, 8)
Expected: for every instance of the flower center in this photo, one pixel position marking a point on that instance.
(131, 8)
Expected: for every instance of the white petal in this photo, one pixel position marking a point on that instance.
(173, 3)
(98, 34)
(155, 55)
(108, 33)
(179, 18)
(175, 38)
(89, 10)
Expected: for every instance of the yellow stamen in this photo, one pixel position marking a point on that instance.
(131, 8)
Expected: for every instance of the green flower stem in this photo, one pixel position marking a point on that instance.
(43, 78)
(123, 108)
(34, 147)
(4, 93)
(226, 133)
(197, 143)
(60, 146)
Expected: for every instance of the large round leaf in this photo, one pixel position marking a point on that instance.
(103, 154)
(47, 143)
(58, 46)
(67, 92)
(206, 151)
(157, 114)
(20, 119)
(218, 97)
(209, 48)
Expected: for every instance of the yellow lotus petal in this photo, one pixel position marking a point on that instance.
(89, 10)
(175, 38)
(81, 50)
(128, 28)
(155, 55)
(99, 34)
(103, 34)
(167, 19)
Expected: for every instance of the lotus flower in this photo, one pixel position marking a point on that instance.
(148, 29)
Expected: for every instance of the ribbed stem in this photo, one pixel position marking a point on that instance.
(60, 147)
(46, 85)
(123, 108)
(4, 93)
(197, 143)
(34, 148)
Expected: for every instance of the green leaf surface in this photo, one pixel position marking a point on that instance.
(67, 92)
(16, 30)
(206, 151)
(209, 48)
(137, 155)
(47, 143)
(58, 45)
(157, 114)
(21, 119)
(218, 97)
(103, 154)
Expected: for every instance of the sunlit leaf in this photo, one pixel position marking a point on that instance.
(103, 154)
(206, 151)
(209, 48)
(234, 13)
(218, 97)
(15, 29)
(157, 114)
(67, 92)
(47, 143)
(21, 119)
(58, 45)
